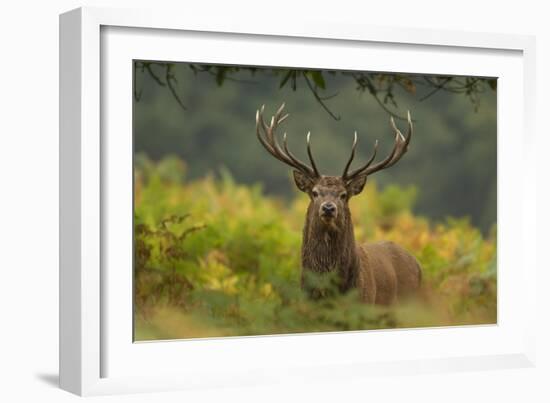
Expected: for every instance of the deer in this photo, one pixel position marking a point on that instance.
(382, 272)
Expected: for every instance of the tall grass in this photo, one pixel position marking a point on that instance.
(216, 258)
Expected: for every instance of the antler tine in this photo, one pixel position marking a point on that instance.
(261, 112)
(294, 159)
(409, 129)
(402, 145)
(399, 149)
(280, 110)
(268, 140)
(260, 121)
(366, 165)
(270, 143)
(352, 156)
(310, 155)
(282, 119)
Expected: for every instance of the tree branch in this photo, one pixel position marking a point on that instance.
(318, 98)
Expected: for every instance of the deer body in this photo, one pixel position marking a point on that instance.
(388, 272)
(382, 271)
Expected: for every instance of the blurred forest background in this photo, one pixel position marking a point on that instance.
(452, 160)
(218, 221)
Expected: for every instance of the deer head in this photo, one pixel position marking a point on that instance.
(329, 195)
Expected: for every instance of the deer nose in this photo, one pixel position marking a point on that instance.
(328, 208)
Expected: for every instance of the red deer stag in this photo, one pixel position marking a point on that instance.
(382, 271)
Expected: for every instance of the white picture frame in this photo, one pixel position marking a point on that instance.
(96, 354)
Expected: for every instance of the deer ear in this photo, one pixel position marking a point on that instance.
(356, 185)
(303, 181)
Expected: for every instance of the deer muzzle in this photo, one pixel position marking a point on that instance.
(328, 211)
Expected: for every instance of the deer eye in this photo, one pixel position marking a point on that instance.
(314, 193)
(343, 196)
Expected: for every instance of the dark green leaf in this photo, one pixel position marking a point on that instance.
(220, 76)
(285, 78)
(318, 79)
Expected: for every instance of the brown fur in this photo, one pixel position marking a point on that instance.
(382, 272)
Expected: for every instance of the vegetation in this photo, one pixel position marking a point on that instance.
(451, 161)
(218, 258)
(382, 87)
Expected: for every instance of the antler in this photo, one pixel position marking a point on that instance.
(399, 149)
(270, 143)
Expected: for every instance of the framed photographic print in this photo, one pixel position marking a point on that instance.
(237, 198)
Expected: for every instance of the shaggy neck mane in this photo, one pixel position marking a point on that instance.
(329, 248)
